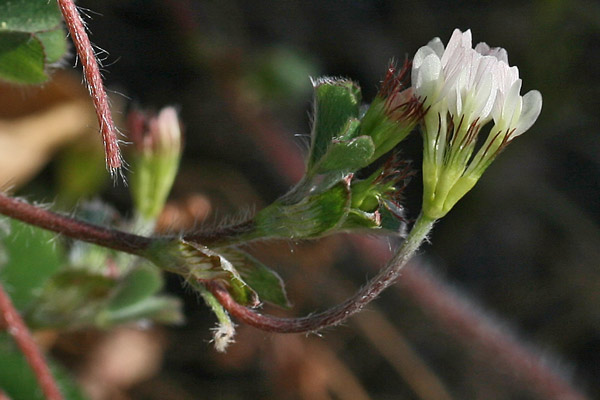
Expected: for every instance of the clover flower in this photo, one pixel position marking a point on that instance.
(462, 89)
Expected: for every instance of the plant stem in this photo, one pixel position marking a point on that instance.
(341, 312)
(93, 78)
(14, 325)
(73, 228)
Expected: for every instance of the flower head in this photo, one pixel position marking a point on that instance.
(462, 89)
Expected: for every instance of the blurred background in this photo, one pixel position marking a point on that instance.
(523, 248)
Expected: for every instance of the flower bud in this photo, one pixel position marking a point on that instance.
(157, 146)
(393, 114)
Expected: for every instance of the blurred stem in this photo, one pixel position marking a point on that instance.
(14, 325)
(460, 317)
(338, 314)
(92, 75)
(73, 228)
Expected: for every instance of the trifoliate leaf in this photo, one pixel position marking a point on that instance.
(336, 102)
(31, 38)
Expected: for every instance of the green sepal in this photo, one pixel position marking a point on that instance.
(384, 128)
(336, 102)
(358, 220)
(392, 218)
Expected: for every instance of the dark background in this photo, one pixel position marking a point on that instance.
(524, 244)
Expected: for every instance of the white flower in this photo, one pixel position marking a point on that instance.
(476, 84)
(463, 88)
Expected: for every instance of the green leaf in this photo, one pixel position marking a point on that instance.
(18, 381)
(21, 58)
(336, 102)
(77, 172)
(140, 283)
(161, 309)
(31, 38)
(32, 258)
(347, 156)
(313, 216)
(54, 43)
(29, 15)
(264, 281)
(71, 298)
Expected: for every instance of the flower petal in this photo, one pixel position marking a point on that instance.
(427, 77)
(437, 46)
(532, 106)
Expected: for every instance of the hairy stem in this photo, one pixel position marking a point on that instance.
(14, 325)
(341, 312)
(73, 228)
(93, 78)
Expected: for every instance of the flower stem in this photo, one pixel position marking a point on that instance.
(91, 71)
(341, 312)
(73, 228)
(14, 325)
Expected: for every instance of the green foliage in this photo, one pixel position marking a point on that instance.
(265, 282)
(279, 75)
(18, 381)
(336, 102)
(31, 39)
(31, 256)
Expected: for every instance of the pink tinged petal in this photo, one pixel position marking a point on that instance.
(497, 52)
(456, 42)
(500, 53)
(482, 48)
(467, 39)
(532, 106)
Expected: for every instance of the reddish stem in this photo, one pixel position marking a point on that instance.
(16, 327)
(111, 238)
(314, 322)
(93, 78)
